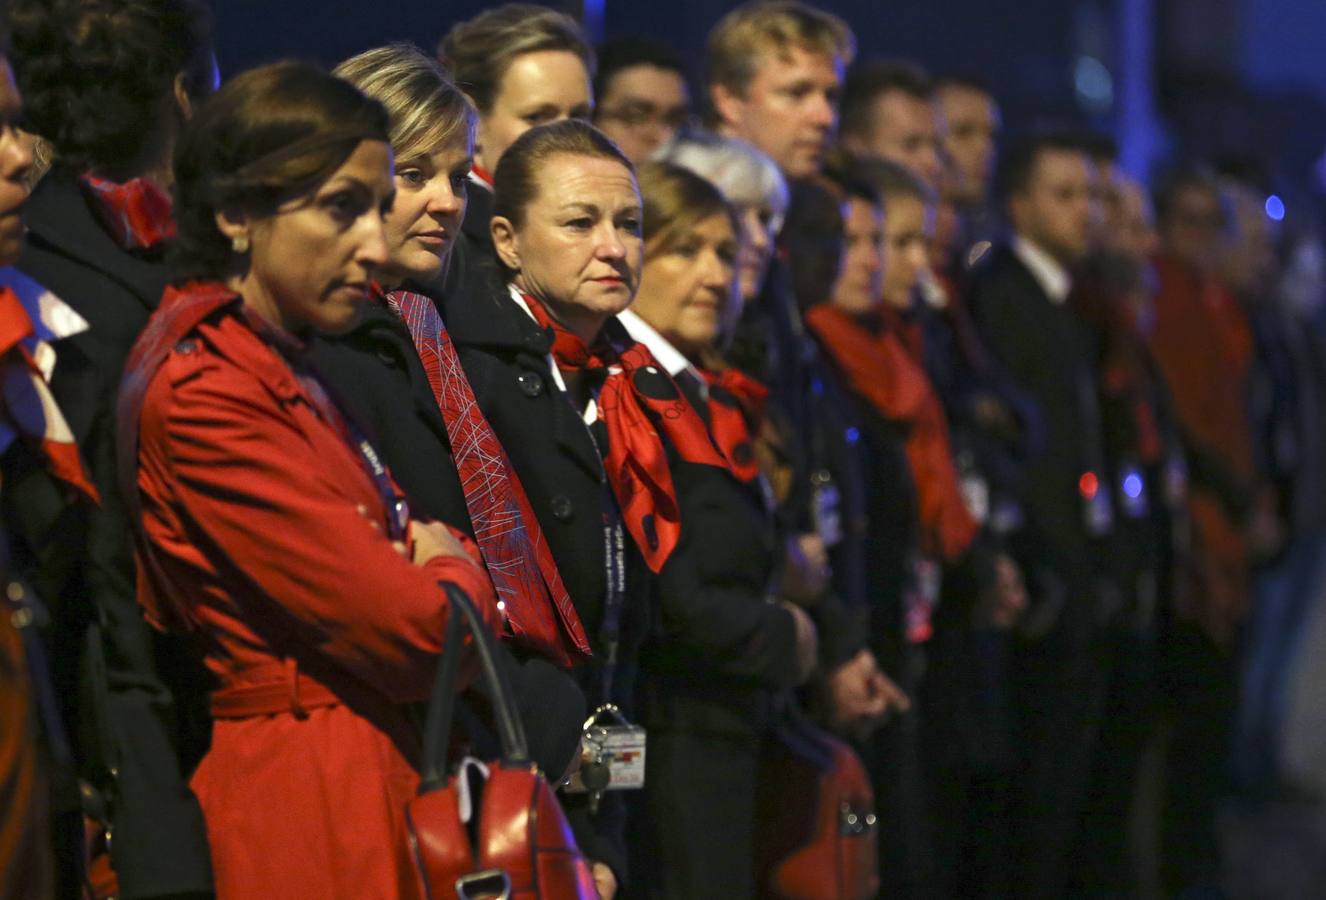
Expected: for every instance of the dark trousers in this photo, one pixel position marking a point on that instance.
(696, 839)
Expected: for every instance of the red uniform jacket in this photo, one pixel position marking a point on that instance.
(260, 515)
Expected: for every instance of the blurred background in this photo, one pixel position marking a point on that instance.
(1239, 83)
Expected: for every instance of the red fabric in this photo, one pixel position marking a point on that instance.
(637, 461)
(137, 213)
(261, 516)
(734, 426)
(519, 561)
(879, 368)
(27, 408)
(482, 174)
(1204, 346)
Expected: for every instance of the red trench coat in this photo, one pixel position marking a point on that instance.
(259, 512)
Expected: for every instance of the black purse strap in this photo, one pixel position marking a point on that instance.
(437, 727)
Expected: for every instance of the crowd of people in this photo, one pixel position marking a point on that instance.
(791, 401)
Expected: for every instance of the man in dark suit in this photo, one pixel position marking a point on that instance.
(1018, 299)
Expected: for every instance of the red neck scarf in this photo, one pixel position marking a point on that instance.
(736, 414)
(137, 213)
(881, 370)
(482, 174)
(636, 402)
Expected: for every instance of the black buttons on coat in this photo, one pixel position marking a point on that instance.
(562, 508)
(531, 385)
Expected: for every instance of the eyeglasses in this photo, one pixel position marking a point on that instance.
(638, 115)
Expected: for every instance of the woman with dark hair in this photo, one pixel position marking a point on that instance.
(627, 483)
(270, 530)
(108, 84)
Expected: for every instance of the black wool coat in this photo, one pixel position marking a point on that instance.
(82, 561)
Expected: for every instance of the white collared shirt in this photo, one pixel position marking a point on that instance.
(673, 361)
(1048, 272)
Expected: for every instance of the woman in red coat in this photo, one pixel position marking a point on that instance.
(270, 530)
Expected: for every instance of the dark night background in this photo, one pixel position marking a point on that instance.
(1238, 82)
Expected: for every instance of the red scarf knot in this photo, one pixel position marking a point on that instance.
(137, 213)
(638, 403)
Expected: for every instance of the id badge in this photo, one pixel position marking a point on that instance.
(615, 744)
(827, 509)
(976, 497)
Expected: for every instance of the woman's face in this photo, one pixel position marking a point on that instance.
(757, 247)
(686, 289)
(857, 289)
(907, 229)
(537, 88)
(424, 222)
(311, 262)
(578, 248)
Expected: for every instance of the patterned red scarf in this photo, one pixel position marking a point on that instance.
(137, 213)
(736, 414)
(515, 552)
(637, 400)
(879, 368)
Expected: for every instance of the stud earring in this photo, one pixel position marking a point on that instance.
(240, 243)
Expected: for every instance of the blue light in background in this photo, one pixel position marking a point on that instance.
(1132, 486)
(853, 435)
(1095, 85)
(1275, 208)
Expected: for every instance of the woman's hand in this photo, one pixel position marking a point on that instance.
(604, 880)
(1004, 602)
(429, 540)
(860, 697)
(806, 570)
(808, 642)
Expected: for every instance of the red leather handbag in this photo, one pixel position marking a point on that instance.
(815, 818)
(491, 829)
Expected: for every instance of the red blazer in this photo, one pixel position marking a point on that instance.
(260, 515)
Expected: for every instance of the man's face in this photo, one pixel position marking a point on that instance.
(969, 124)
(641, 108)
(1054, 211)
(789, 109)
(903, 130)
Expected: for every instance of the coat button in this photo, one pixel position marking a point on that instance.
(531, 385)
(562, 509)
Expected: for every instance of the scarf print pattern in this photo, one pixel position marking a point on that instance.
(515, 552)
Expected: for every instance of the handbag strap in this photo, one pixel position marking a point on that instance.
(437, 727)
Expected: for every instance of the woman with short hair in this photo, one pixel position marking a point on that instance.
(270, 530)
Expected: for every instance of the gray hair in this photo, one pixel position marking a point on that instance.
(745, 175)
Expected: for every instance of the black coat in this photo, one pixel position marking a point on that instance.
(377, 380)
(83, 559)
(1048, 352)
